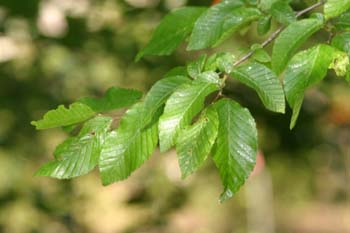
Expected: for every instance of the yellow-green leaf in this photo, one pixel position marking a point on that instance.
(76, 113)
(195, 142)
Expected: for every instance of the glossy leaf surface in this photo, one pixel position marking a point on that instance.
(127, 148)
(264, 82)
(236, 146)
(290, 39)
(186, 102)
(195, 142)
(172, 30)
(78, 155)
(304, 70)
(219, 22)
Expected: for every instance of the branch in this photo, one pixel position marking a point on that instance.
(277, 32)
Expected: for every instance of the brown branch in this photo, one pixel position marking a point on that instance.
(277, 32)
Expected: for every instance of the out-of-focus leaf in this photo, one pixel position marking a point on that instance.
(342, 42)
(127, 148)
(264, 82)
(251, 2)
(114, 98)
(343, 21)
(261, 55)
(347, 76)
(282, 12)
(304, 70)
(196, 67)
(266, 5)
(334, 8)
(236, 146)
(290, 39)
(177, 71)
(195, 142)
(219, 22)
(340, 64)
(225, 61)
(264, 25)
(220, 61)
(172, 30)
(186, 102)
(78, 155)
(76, 113)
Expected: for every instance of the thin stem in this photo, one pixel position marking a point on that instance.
(277, 32)
(310, 8)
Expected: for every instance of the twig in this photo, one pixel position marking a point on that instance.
(277, 32)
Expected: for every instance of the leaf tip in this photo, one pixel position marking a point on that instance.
(292, 125)
(34, 123)
(138, 56)
(39, 172)
(281, 110)
(184, 175)
(227, 194)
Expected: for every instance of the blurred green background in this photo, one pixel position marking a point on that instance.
(55, 51)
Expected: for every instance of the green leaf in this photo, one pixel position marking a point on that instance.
(196, 67)
(236, 146)
(225, 62)
(195, 142)
(127, 148)
(251, 2)
(342, 42)
(177, 71)
(265, 5)
(76, 113)
(261, 55)
(184, 104)
(114, 98)
(306, 68)
(343, 21)
(264, 25)
(78, 155)
(222, 61)
(290, 39)
(159, 93)
(334, 8)
(282, 12)
(70, 128)
(264, 82)
(219, 22)
(63, 147)
(172, 30)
